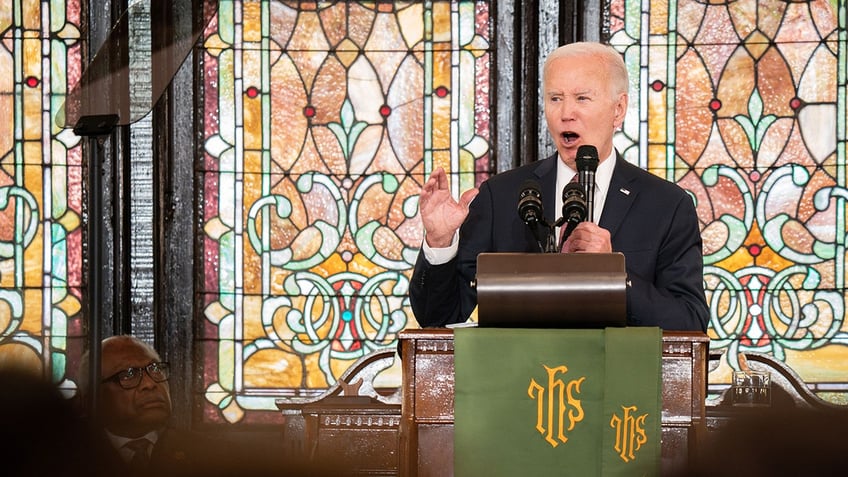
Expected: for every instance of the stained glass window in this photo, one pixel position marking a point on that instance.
(40, 189)
(322, 121)
(743, 104)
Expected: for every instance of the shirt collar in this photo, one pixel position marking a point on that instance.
(118, 442)
(603, 174)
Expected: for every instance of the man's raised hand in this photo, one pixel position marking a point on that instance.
(440, 213)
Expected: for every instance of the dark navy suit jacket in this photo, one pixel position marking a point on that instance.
(184, 453)
(650, 220)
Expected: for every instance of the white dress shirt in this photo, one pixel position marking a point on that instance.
(603, 176)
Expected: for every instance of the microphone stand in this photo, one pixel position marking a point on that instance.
(569, 225)
(534, 227)
(550, 237)
(551, 246)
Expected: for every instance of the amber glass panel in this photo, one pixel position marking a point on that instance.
(743, 104)
(322, 121)
(40, 191)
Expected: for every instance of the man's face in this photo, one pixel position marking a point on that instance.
(139, 410)
(580, 107)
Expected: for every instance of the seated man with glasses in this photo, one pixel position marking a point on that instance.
(135, 398)
(134, 408)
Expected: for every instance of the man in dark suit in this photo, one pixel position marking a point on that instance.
(134, 412)
(133, 436)
(651, 221)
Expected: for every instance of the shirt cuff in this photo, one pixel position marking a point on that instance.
(441, 256)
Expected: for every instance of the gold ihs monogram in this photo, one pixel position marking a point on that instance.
(556, 403)
(629, 432)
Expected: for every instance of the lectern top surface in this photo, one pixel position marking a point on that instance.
(551, 290)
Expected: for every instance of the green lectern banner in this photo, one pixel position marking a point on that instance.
(557, 402)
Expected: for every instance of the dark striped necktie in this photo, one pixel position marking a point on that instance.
(140, 452)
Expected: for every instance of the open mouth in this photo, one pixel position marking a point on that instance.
(570, 137)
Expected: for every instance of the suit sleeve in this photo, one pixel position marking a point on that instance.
(673, 298)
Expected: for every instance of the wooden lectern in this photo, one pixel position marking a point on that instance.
(426, 425)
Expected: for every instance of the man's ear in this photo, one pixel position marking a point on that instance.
(620, 110)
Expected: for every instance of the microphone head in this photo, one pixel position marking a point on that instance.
(587, 158)
(530, 202)
(573, 190)
(574, 202)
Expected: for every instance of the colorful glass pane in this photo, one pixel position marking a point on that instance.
(742, 103)
(322, 122)
(40, 190)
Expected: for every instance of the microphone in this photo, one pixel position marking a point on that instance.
(574, 205)
(530, 211)
(573, 209)
(530, 203)
(587, 164)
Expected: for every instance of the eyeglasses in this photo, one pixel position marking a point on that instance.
(131, 377)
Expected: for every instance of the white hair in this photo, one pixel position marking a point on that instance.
(612, 59)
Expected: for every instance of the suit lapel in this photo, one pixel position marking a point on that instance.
(621, 195)
(545, 173)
